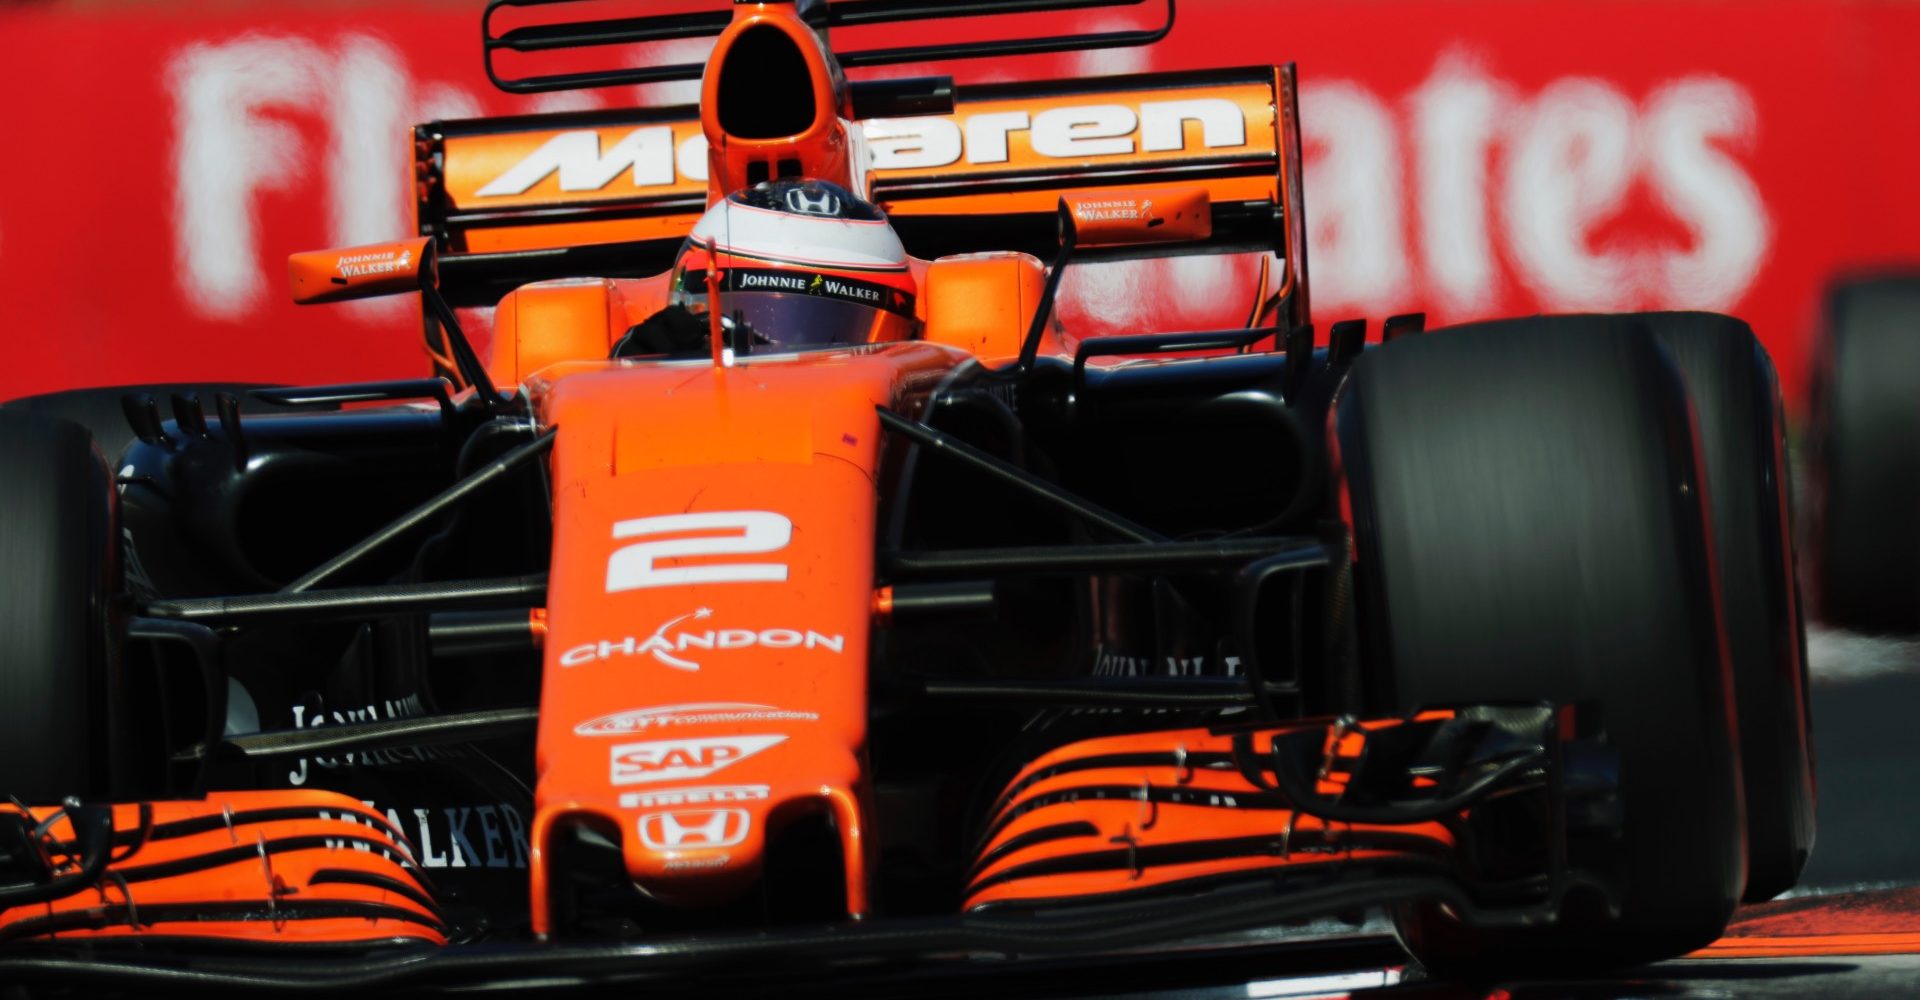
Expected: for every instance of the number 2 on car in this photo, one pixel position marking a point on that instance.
(716, 533)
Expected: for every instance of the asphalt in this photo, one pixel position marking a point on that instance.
(1694, 979)
(1866, 731)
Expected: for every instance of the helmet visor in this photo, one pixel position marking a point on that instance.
(770, 310)
(782, 321)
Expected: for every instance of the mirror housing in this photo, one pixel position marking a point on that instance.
(1117, 217)
(1109, 218)
(391, 269)
(363, 272)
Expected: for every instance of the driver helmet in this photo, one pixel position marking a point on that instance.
(803, 263)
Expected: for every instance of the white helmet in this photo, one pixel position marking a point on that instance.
(802, 263)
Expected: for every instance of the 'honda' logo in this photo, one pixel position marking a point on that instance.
(682, 760)
(813, 201)
(690, 828)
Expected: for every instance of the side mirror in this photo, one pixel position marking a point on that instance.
(1117, 218)
(318, 276)
(1112, 218)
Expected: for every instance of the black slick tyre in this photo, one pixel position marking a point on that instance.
(1736, 404)
(1528, 521)
(1864, 518)
(56, 561)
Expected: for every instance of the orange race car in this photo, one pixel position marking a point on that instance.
(786, 588)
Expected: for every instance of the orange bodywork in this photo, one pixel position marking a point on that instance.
(824, 148)
(1119, 218)
(704, 646)
(705, 663)
(982, 303)
(667, 169)
(283, 867)
(317, 276)
(548, 322)
(1115, 815)
(1159, 127)
(480, 168)
(711, 590)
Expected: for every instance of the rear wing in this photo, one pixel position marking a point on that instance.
(612, 194)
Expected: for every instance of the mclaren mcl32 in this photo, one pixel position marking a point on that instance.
(776, 583)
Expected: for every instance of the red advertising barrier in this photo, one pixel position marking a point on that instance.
(1467, 158)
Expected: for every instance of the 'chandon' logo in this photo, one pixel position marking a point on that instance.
(669, 640)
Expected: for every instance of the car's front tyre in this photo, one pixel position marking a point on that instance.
(1530, 524)
(57, 559)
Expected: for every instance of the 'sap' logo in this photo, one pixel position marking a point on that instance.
(683, 760)
(683, 829)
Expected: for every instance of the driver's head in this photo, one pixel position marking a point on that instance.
(804, 263)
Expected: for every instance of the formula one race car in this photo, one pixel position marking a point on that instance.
(786, 592)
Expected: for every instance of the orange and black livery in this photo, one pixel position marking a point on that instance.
(760, 576)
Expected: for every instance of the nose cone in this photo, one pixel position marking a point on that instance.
(705, 668)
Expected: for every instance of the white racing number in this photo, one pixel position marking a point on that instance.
(716, 533)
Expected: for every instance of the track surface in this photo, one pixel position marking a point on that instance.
(1865, 693)
(1718, 979)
